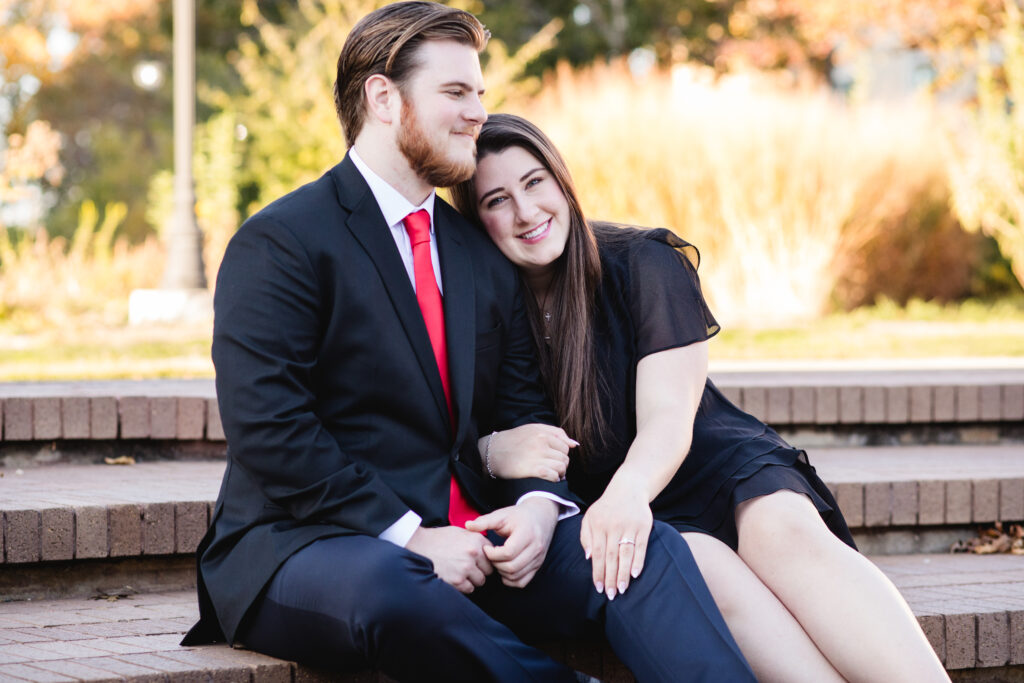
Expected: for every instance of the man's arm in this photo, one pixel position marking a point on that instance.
(267, 332)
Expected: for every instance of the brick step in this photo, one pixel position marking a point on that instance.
(962, 404)
(82, 530)
(61, 513)
(971, 608)
(906, 499)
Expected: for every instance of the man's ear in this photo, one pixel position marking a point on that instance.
(383, 102)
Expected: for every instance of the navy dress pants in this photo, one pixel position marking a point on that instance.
(354, 601)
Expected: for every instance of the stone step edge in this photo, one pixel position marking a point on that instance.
(162, 528)
(930, 502)
(52, 418)
(97, 531)
(48, 418)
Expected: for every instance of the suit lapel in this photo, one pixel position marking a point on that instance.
(459, 313)
(368, 227)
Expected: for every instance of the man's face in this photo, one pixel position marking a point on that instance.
(442, 113)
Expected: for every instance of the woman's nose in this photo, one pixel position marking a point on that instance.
(526, 211)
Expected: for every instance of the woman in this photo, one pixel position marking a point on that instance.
(622, 330)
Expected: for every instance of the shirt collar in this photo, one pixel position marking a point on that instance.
(392, 204)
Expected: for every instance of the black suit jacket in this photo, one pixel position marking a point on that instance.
(329, 394)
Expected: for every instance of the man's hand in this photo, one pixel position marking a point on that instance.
(527, 528)
(458, 555)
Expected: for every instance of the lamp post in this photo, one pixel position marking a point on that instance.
(183, 295)
(184, 240)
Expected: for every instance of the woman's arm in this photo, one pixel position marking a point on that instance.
(530, 450)
(669, 385)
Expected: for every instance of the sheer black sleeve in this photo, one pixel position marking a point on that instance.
(665, 297)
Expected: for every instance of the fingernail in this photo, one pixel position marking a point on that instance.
(574, 442)
(622, 586)
(599, 586)
(586, 554)
(611, 593)
(635, 573)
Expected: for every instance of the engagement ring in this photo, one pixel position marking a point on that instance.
(626, 541)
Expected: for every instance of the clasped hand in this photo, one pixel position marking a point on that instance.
(464, 558)
(530, 450)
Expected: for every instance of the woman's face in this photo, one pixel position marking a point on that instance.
(523, 209)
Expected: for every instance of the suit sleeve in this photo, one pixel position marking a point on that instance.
(521, 399)
(267, 330)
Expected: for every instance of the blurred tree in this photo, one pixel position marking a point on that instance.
(116, 127)
(40, 40)
(988, 167)
(795, 33)
(602, 29)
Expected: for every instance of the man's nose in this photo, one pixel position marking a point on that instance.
(475, 113)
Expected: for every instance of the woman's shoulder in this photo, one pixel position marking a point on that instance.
(633, 245)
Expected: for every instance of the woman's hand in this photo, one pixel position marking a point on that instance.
(614, 534)
(532, 450)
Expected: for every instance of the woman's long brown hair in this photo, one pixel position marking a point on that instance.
(567, 361)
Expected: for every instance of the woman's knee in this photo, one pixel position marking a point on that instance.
(779, 523)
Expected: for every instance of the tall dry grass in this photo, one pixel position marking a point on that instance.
(55, 284)
(773, 186)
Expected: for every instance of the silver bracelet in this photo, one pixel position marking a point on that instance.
(487, 455)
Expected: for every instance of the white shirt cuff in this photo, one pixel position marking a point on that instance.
(401, 531)
(566, 508)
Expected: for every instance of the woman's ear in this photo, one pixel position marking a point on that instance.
(383, 101)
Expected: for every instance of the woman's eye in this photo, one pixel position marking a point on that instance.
(532, 181)
(494, 202)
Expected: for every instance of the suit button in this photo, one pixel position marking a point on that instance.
(456, 457)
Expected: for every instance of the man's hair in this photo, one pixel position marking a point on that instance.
(385, 42)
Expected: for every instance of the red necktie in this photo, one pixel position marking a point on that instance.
(428, 295)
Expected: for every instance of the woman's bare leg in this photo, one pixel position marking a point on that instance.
(846, 605)
(770, 638)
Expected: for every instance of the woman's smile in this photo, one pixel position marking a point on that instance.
(538, 233)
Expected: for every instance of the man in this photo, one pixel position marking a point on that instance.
(352, 396)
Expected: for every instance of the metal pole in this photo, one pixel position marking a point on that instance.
(184, 239)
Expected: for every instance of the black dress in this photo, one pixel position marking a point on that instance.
(650, 300)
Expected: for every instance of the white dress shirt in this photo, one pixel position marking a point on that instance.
(395, 208)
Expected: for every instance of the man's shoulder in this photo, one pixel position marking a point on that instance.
(306, 206)
(469, 234)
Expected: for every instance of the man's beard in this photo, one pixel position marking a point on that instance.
(425, 159)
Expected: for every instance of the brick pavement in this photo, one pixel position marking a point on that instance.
(971, 607)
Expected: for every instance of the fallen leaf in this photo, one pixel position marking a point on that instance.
(114, 594)
(992, 540)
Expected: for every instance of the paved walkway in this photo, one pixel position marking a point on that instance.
(971, 607)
